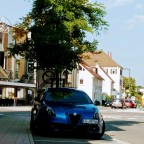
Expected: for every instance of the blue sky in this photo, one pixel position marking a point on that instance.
(124, 38)
(125, 35)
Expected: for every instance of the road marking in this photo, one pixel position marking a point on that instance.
(123, 117)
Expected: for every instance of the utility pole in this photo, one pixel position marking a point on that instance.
(129, 72)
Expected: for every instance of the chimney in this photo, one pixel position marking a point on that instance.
(110, 55)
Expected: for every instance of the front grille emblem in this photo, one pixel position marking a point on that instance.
(74, 113)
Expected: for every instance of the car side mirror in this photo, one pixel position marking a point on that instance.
(96, 103)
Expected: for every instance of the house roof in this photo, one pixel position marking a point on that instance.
(106, 74)
(103, 59)
(87, 67)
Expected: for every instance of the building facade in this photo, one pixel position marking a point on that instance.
(90, 81)
(14, 84)
(109, 70)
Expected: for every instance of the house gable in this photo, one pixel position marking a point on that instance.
(88, 68)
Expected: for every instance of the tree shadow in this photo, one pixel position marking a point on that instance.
(114, 125)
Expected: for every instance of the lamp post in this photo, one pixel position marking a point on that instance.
(129, 70)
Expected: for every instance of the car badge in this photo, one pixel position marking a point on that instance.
(74, 113)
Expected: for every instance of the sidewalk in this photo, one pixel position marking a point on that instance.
(14, 128)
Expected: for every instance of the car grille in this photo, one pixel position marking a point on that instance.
(74, 118)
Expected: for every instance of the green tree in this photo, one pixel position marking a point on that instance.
(130, 85)
(58, 32)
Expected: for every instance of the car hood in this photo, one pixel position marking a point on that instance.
(82, 109)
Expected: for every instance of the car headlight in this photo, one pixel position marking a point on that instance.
(50, 111)
(97, 115)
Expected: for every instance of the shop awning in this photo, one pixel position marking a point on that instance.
(17, 84)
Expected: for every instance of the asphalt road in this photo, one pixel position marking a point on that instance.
(123, 126)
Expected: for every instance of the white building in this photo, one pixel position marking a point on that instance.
(106, 68)
(90, 82)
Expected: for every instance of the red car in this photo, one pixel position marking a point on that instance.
(129, 104)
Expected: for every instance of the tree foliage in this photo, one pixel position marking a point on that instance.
(58, 32)
(130, 85)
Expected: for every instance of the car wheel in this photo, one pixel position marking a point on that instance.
(33, 126)
(100, 135)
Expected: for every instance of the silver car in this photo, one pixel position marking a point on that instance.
(116, 103)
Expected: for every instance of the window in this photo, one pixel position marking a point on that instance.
(113, 71)
(81, 81)
(96, 70)
(121, 72)
(106, 70)
(0, 37)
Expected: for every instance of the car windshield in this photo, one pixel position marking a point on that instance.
(64, 95)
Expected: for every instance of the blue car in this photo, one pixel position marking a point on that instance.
(66, 110)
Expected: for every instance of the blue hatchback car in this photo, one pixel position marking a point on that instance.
(67, 110)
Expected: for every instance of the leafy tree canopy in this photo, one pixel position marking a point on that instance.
(58, 32)
(130, 85)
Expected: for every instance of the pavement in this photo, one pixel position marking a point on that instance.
(14, 127)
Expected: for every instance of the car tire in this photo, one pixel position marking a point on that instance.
(32, 124)
(100, 135)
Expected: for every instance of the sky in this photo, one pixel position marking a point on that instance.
(124, 37)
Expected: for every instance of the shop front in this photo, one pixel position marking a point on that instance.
(15, 93)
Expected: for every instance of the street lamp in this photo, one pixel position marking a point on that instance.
(129, 70)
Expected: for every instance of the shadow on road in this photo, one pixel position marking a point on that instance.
(115, 125)
(70, 138)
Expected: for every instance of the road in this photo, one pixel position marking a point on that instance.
(123, 126)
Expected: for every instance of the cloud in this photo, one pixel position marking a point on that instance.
(133, 22)
(117, 3)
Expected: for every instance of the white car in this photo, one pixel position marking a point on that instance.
(116, 103)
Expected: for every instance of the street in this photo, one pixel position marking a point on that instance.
(122, 126)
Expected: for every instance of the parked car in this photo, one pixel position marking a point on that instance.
(67, 110)
(129, 104)
(108, 103)
(117, 103)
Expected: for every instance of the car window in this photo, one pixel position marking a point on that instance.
(67, 95)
